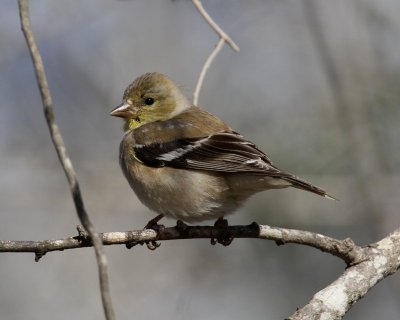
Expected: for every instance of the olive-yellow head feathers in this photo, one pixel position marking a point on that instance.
(151, 97)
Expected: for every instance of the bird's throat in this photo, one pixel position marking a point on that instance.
(132, 123)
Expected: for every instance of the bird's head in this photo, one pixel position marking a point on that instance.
(151, 97)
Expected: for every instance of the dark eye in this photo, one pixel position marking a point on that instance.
(149, 101)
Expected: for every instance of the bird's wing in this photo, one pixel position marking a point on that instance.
(221, 152)
(226, 152)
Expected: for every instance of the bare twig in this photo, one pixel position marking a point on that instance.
(215, 26)
(63, 156)
(344, 249)
(223, 38)
(203, 72)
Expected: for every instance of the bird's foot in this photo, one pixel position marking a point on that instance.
(152, 245)
(153, 225)
(225, 238)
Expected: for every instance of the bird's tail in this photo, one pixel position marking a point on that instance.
(304, 185)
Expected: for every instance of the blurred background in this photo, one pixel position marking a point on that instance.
(315, 85)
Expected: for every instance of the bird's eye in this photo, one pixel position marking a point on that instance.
(149, 101)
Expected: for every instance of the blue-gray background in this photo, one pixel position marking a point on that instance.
(315, 85)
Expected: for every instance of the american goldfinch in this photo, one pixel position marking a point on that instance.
(185, 163)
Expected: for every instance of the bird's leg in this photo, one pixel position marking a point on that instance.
(153, 225)
(226, 237)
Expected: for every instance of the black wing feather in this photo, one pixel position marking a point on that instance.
(222, 152)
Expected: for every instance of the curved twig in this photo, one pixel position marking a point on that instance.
(215, 26)
(63, 155)
(223, 38)
(203, 71)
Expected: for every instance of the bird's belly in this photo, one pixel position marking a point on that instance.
(187, 195)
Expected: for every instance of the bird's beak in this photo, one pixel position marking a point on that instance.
(124, 110)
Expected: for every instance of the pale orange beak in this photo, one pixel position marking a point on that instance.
(124, 110)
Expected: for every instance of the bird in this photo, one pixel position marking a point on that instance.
(185, 163)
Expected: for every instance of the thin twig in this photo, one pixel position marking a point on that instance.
(63, 156)
(344, 249)
(214, 25)
(223, 38)
(203, 72)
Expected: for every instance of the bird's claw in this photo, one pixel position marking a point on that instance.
(225, 238)
(152, 225)
(225, 241)
(152, 245)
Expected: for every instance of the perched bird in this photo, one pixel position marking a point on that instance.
(185, 163)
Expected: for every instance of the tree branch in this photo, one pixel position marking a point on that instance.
(223, 38)
(366, 265)
(382, 259)
(63, 155)
(350, 253)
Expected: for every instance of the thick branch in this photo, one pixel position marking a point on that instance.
(344, 249)
(381, 259)
(63, 155)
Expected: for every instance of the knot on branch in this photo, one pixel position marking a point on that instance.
(350, 252)
(83, 236)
